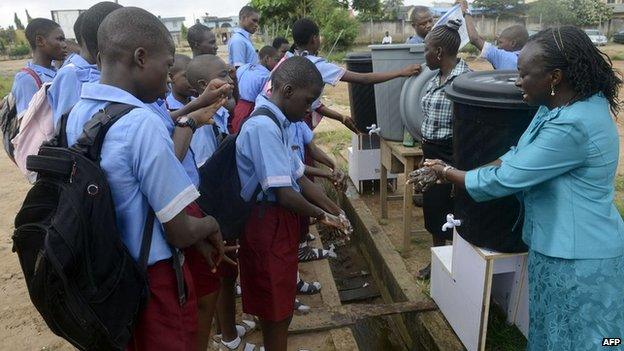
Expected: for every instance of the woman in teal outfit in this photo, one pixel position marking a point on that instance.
(563, 169)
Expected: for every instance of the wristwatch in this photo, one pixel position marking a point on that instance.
(186, 121)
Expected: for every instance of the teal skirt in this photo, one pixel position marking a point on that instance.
(574, 304)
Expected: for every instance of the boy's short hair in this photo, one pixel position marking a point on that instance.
(91, 22)
(180, 63)
(247, 11)
(518, 33)
(39, 26)
(196, 34)
(279, 41)
(418, 12)
(298, 72)
(267, 51)
(303, 30)
(128, 28)
(200, 68)
(78, 27)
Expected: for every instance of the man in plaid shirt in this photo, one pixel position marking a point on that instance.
(438, 109)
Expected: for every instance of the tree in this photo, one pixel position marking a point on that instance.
(500, 7)
(337, 26)
(183, 32)
(28, 18)
(572, 12)
(367, 9)
(18, 23)
(391, 9)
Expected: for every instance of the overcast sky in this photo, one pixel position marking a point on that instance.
(164, 8)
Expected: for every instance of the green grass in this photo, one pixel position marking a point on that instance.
(500, 335)
(5, 85)
(618, 57)
(338, 139)
(619, 194)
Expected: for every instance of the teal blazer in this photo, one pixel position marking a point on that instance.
(563, 170)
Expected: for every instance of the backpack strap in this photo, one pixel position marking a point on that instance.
(94, 132)
(34, 75)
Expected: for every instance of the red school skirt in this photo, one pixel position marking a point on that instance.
(205, 281)
(268, 262)
(163, 324)
(242, 110)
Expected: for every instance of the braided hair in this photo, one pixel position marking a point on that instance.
(588, 69)
(446, 36)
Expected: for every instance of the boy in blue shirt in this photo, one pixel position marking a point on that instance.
(135, 53)
(510, 42)
(47, 42)
(282, 45)
(240, 47)
(64, 92)
(181, 90)
(422, 22)
(202, 40)
(268, 246)
(251, 79)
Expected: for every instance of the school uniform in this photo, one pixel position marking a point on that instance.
(205, 141)
(269, 244)
(251, 79)
(64, 92)
(25, 86)
(142, 171)
(240, 48)
(415, 39)
(172, 103)
(499, 58)
(300, 136)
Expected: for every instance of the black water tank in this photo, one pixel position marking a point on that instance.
(489, 117)
(361, 96)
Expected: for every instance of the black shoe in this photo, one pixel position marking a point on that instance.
(425, 273)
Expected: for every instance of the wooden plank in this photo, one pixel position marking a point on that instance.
(400, 149)
(328, 318)
(359, 294)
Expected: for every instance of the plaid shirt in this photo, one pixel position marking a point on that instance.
(437, 108)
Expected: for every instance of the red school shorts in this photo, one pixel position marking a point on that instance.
(206, 282)
(242, 110)
(268, 262)
(163, 324)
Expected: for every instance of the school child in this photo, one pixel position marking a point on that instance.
(199, 72)
(422, 22)
(47, 42)
(509, 43)
(202, 40)
(181, 90)
(240, 47)
(306, 35)
(64, 92)
(268, 246)
(251, 79)
(135, 52)
(282, 45)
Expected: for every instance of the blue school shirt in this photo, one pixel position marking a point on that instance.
(64, 92)
(300, 136)
(563, 169)
(499, 58)
(25, 86)
(140, 165)
(251, 79)
(240, 48)
(415, 39)
(173, 104)
(204, 142)
(264, 156)
(160, 108)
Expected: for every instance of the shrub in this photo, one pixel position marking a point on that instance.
(20, 50)
(335, 24)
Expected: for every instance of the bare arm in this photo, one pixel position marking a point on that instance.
(335, 115)
(319, 155)
(380, 77)
(318, 172)
(289, 198)
(315, 194)
(473, 35)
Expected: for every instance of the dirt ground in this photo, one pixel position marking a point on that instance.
(21, 327)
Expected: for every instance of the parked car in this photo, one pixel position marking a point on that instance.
(619, 37)
(596, 37)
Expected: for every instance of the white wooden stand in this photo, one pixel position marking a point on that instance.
(365, 160)
(465, 277)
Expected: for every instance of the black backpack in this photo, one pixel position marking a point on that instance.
(220, 186)
(79, 274)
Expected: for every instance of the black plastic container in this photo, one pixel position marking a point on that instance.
(361, 96)
(489, 117)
